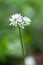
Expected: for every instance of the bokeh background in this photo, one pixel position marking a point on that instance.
(32, 35)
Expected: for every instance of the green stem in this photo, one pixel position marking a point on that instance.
(22, 47)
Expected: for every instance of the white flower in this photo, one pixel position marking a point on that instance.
(30, 60)
(18, 20)
(26, 20)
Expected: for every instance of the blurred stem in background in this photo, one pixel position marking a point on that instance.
(23, 55)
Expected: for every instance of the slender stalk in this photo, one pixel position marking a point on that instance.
(22, 47)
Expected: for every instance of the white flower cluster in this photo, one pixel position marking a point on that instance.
(30, 60)
(20, 21)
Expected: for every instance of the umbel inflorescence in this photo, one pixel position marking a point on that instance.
(19, 21)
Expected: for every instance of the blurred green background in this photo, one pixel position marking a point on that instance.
(32, 35)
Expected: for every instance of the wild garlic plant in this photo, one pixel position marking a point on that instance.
(19, 21)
